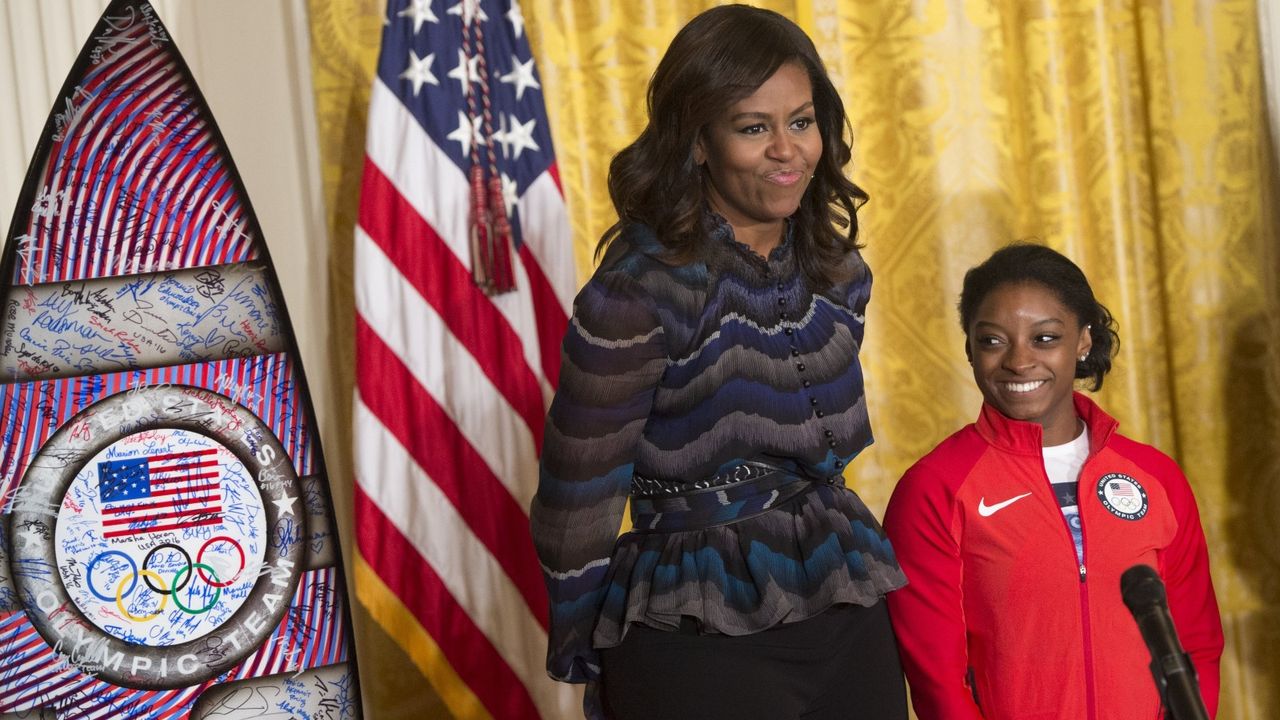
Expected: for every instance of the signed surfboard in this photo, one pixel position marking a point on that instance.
(167, 546)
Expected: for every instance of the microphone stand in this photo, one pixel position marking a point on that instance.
(1143, 592)
(1179, 690)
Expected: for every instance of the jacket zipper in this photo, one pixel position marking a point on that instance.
(1082, 569)
(1088, 642)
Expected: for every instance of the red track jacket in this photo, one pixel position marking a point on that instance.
(998, 608)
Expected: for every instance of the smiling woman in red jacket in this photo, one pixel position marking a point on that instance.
(1015, 530)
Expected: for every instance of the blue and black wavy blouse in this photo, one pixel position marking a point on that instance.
(677, 374)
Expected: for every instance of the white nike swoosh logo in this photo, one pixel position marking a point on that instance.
(986, 510)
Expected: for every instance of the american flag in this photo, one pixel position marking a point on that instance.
(452, 382)
(156, 493)
(1124, 490)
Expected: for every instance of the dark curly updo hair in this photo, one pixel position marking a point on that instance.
(1021, 263)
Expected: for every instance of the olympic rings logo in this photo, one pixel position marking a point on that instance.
(180, 579)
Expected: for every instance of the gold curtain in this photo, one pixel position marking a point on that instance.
(1131, 135)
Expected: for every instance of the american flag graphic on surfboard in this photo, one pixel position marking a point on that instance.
(167, 545)
(159, 493)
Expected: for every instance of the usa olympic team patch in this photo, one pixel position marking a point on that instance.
(166, 527)
(1123, 496)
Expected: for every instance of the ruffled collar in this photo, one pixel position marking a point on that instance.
(721, 233)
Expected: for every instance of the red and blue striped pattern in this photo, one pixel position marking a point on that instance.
(311, 635)
(267, 385)
(134, 178)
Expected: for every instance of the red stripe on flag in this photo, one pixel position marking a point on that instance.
(431, 267)
(414, 417)
(554, 170)
(194, 512)
(175, 456)
(182, 466)
(185, 490)
(413, 580)
(158, 505)
(159, 528)
(179, 478)
(549, 315)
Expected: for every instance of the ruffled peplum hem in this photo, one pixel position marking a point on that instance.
(821, 548)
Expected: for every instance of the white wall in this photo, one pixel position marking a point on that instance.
(1269, 29)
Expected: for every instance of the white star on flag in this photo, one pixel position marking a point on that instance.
(420, 11)
(467, 71)
(520, 135)
(467, 132)
(516, 17)
(521, 76)
(510, 194)
(419, 71)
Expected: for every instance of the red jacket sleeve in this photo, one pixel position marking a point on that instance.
(928, 614)
(1184, 567)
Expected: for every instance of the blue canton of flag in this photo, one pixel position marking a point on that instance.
(123, 480)
(439, 83)
(156, 493)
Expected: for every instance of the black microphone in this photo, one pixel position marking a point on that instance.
(1143, 593)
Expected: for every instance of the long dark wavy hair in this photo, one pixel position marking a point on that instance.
(722, 56)
(1022, 263)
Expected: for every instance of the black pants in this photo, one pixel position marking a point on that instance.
(840, 665)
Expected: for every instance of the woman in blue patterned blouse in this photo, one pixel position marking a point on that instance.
(711, 375)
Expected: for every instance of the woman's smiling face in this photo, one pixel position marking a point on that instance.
(1024, 345)
(760, 154)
